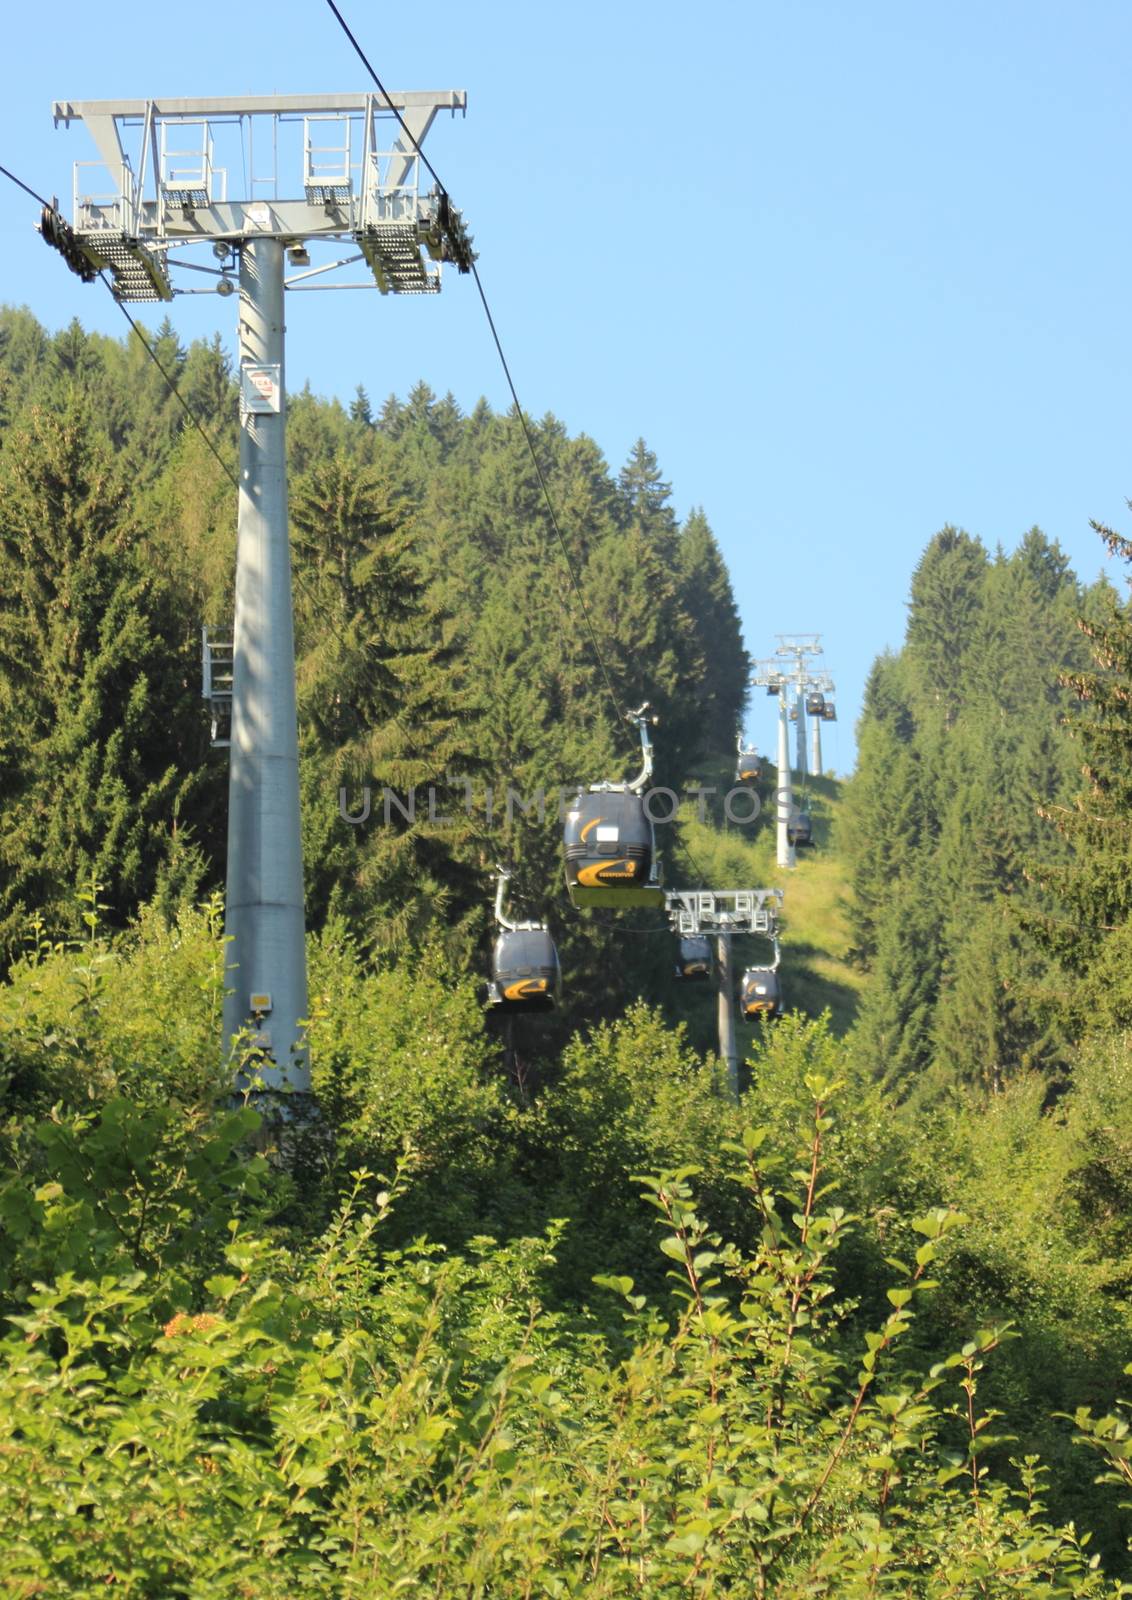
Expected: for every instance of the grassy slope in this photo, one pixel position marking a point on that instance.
(816, 934)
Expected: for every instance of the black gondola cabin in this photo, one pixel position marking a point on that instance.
(693, 956)
(829, 712)
(760, 994)
(609, 850)
(748, 768)
(524, 970)
(800, 828)
(815, 705)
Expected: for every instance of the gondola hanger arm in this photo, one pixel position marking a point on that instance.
(503, 878)
(643, 724)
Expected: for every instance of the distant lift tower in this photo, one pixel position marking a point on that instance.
(721, 913)
(314, 170)
(769, 675)
(820, 708)
(799, 648)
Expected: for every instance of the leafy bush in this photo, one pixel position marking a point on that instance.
(343, 1423)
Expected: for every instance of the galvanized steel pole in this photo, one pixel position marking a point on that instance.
(725, 1006)
(264, 912)
(785, 795)
(800, 707)
(815, 746)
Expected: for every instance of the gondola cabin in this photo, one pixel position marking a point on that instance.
(793, 713)
(760, 994)
(829, 712)
(610, 850)
(800, 828)
(693, 957)
(748, 768)
(815, 705)
(525, 974)
(773, 686)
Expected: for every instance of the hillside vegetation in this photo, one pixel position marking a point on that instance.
(817, 920)
(547, 1315)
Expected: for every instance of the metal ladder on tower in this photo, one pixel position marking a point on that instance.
(216, 685)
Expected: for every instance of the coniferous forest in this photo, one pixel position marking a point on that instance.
(540, 1310)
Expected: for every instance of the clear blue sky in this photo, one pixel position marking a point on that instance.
(852, 270)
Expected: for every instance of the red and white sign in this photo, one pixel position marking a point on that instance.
(261, 388)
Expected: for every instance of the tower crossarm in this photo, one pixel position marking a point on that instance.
(698, 911)
(173, 173)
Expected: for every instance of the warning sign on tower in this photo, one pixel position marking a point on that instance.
(261, 388)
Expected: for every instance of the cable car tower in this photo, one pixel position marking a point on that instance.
(720, 913)
(235, 192)
(820, 708)
(769, 675)
(800, 648)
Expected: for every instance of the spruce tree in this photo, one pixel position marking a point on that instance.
(944, 618)
(103, 741)
(360, 408)
(381, 707)
(710, 603)
(1091, 933)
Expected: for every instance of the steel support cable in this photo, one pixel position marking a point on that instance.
(227, 471)
(299, 579)
(145, 344)
(20, 184)
(172, 386)
(575, 584)
(233, 480)
(574, 581)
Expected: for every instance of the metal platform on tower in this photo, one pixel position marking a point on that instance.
(695, 911)
(339, 169)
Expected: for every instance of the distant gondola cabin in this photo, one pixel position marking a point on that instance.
(748, 768)
(815, 705)
(829, 712)
(800, 828)
(760, 994)
(524, 970)
(693, 957)
(609, 850)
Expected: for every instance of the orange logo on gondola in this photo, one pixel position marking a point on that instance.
(528, 986)
(588, 826)
(593, 876)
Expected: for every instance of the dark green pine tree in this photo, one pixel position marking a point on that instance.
(710, 603)
(945, 620)
(102, 743)
(647, 495)
(646, 635)
(207, 387)
(886, 822)
(893, 1036)
(381, 705)
(392, 418)
(960, 739)
(360, 410)
(990, 1020)
(1091, 933)
(24, 364)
